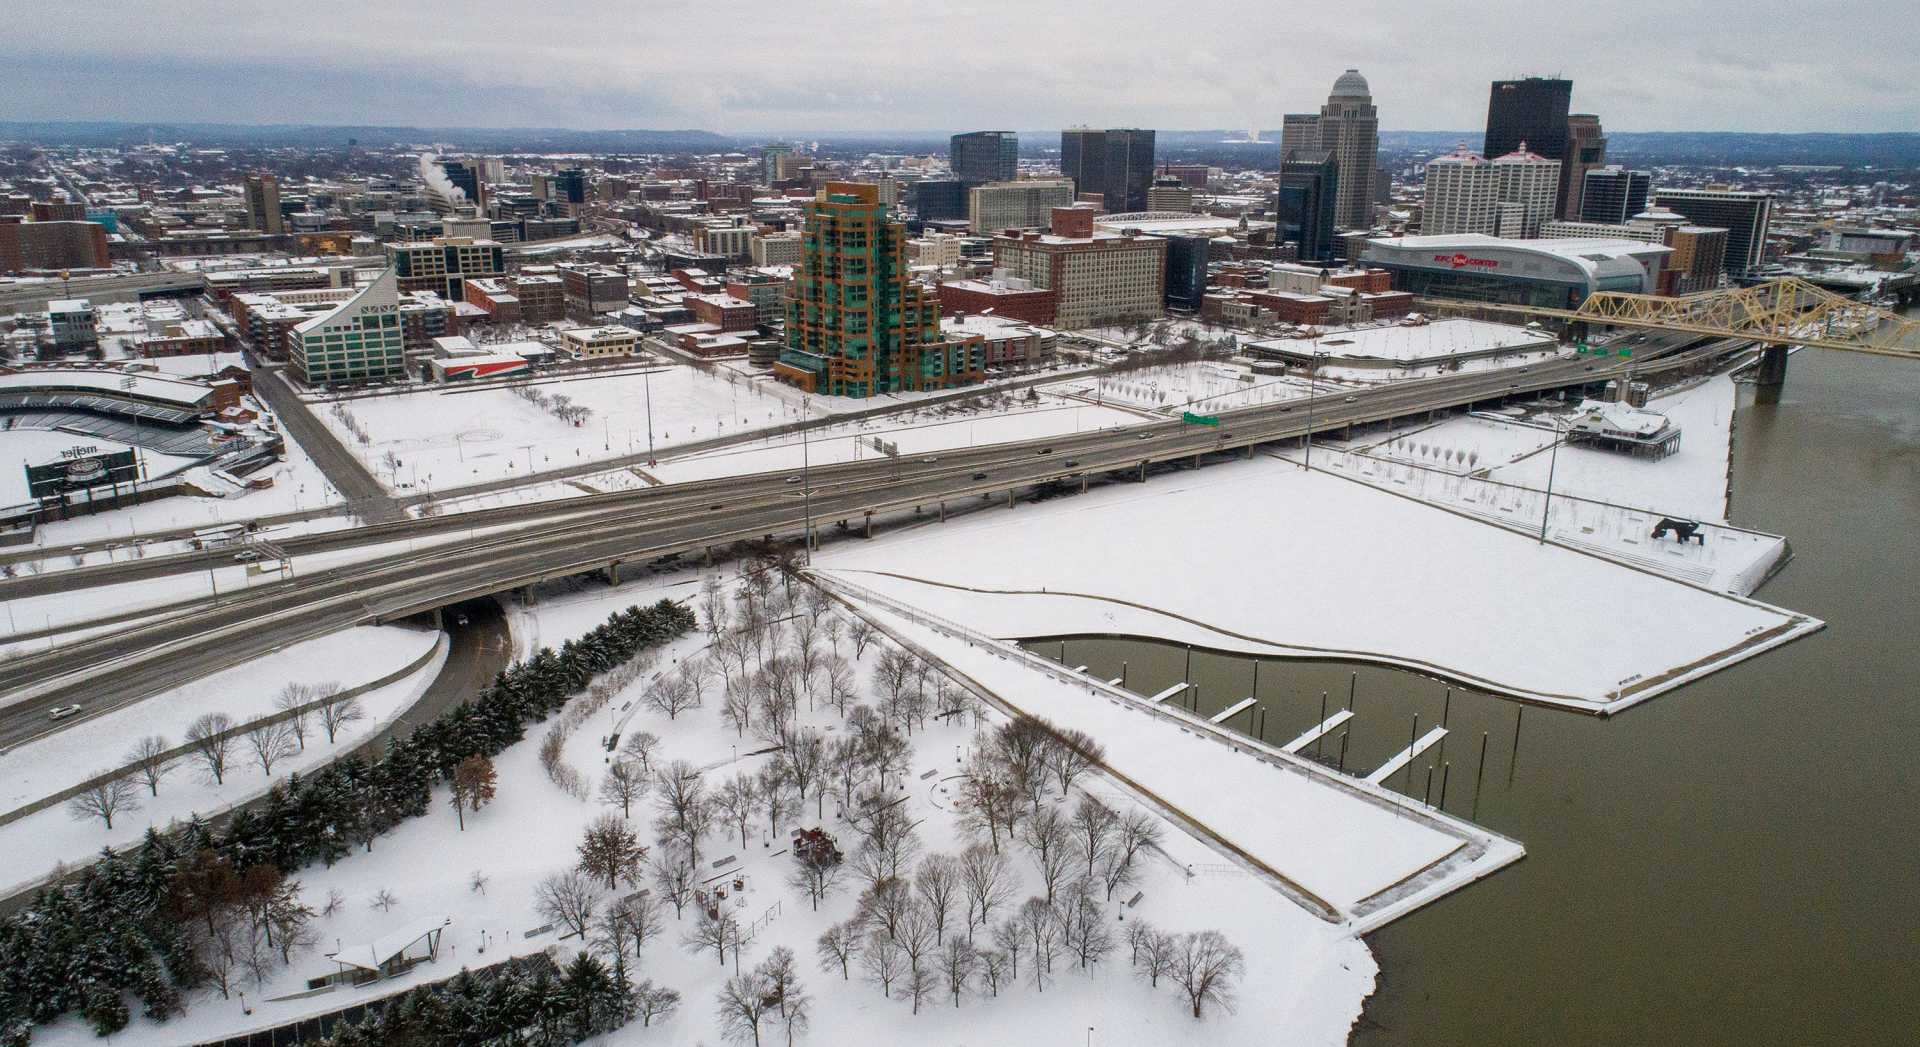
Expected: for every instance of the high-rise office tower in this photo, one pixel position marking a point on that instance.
(856, 325)
(1586, 150)
(1303, 208)
(1744, 215)
(1299, 133)
(1531, 110)
(1128, 170)
(1461, 192)
(1613, 194)
(1083, 158)
(1024, 204)
(770, 155)
(263, 204)
(1531, 182)
(569, 186)
(979, 157)
(466, 178)
(1349, 128)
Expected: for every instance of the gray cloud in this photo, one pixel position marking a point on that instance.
(1761, 65)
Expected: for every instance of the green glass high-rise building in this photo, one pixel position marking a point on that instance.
(856, 326)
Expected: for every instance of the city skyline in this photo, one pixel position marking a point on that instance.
(435, 65)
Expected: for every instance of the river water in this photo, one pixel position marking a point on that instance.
(1735, 862)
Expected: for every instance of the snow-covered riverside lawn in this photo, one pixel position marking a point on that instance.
(1604, 502)
(1303, 975)
(1171, 388)
(1262, 557)
(32, 846)
(1367, 842)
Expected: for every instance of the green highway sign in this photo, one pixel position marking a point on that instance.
(1200, 419)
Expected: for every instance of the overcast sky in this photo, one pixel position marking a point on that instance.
(862, 65)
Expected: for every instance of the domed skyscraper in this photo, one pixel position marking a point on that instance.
(1347, 128)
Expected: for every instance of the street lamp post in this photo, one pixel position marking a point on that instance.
(806, 487)
(1313, 393)
(646, 380)
(1553, 459)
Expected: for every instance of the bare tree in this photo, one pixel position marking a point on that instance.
(1094, 826)
(1073, 751)
(672, 694)
(818, 864)
(651, 1001)
(861, 633)
(1082, 929)
(570, 898)
(1042, 933)
(995, 966)
(610, 851)
(674, 874)
(882, 961)
(836, 947)
(1008, 936)
(1205, 966)
(1137, 831)
(833, 628)
(803, 761)
(773, 790)
(292, 700)
(641, 747)
(737, 802)
(104, 799)
(1158, 951)
(270, 743)
(211, 736)
(150, 762)
(915, 933)
(383, 900)
(918, 984)
(624, 783)
(686, 814)
(339, 711)
(986, 878)
(1047, 835)
(987, 799)
(887, 831)
(937, 882)
(842, 688)
(847, 767)
(742, 1003)
(474, 781)
(713, 605)
(957, 962)
(717, 929)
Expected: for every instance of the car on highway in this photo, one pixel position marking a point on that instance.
(1071, 462)
(1351, 399)
(715, 508)
(979, 476)
(245, 556)
(1044, 450)
(1144, 436)
(61, 712)
(793, 479)
(930, 459)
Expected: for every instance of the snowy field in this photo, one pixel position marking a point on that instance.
(456, 435)
(33, 845)
(1172, 388)
(1302, 973)
(1262, 557)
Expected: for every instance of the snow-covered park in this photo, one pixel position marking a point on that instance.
(921, 758)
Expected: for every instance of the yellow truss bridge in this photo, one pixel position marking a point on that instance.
(1784, 312)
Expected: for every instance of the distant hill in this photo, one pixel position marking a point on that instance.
(63, 132)
(1710, 148)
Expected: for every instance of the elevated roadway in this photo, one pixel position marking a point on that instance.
(524, 545)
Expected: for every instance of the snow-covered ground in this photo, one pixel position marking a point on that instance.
(1303, 974)
(451, 436)
(33, 845)
(1199, 386)
(1496, 467)
(1261, 556)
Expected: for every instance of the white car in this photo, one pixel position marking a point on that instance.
(61, 712)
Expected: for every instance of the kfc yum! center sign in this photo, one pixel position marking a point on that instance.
(1461, 260)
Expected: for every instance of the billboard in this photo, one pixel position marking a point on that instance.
(81, 467)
